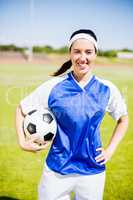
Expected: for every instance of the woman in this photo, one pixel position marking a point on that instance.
(79, 100)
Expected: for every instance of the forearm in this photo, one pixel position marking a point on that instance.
(118, 134)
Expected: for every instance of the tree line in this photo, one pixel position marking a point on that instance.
(62, 50)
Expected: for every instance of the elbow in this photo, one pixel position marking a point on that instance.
(18, 115)
(124, 120)
(19, 111)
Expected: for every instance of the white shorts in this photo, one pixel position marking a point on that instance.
(54, 186)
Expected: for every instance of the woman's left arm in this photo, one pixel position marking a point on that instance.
(118, 134)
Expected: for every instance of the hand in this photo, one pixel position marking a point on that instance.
(32, 146)
(103, 157)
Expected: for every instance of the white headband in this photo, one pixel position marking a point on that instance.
(83, 36)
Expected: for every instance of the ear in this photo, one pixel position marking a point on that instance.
(94, 56)
(69, 54)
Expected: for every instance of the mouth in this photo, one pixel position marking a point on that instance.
(82, 66)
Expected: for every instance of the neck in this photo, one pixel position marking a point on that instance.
(82, 77)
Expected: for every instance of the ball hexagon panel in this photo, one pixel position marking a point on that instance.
(31, 128)
(47, 118)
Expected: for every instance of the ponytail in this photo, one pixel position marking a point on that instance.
(67, 65)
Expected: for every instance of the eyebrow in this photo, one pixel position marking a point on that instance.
(85, 49)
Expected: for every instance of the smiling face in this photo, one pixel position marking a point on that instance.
(82, 55)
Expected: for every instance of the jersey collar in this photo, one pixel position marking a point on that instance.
(76, 83)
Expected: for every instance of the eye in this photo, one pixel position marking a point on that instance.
(76, 51)
(88, 52)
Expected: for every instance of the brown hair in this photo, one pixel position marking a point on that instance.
(67, 65)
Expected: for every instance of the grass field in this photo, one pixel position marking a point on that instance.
(20, 171)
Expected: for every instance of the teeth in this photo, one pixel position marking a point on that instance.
(82, 65)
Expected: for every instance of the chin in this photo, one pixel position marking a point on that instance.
(83, 71)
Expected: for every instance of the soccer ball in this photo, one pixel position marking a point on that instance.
(41, 122)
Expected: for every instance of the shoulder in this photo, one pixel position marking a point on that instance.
(112, 87)
(39, 97)
(106, 82)
(52, 82)
(116, 104)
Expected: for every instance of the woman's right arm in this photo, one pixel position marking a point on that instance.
(27, 145)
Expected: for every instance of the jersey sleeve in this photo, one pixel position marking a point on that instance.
(116, 106)
(38, 98)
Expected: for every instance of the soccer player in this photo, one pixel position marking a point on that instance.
(79, 101)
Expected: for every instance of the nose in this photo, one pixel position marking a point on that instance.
(82, 58)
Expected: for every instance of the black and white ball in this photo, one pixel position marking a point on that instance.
(41, 122)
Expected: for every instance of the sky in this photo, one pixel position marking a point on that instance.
(51, 22)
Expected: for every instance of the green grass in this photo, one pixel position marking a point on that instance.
(20, 171)
(113, 60)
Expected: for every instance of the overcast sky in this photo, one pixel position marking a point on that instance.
(51, 22)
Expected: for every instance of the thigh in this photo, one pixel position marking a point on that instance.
(90, 187)
(54, 186)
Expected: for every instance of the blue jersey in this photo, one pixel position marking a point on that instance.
(79, 112)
